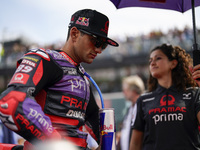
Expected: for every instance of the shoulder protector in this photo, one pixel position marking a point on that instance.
(40, 52)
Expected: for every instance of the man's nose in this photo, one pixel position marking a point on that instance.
(98, 50)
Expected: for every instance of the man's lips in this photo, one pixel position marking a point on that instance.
(93, 55)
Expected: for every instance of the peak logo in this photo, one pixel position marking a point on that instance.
(163, 101)
(83, 21)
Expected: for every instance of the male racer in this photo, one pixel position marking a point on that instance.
(49, 95)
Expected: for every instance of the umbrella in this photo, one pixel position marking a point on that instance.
(177, 5)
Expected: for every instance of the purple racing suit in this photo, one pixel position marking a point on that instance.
(48, 93)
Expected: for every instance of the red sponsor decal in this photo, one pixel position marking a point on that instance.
(168, 109)
(30, 127)
(170, 101)
(19, 78)
(156, 1)
(73, 102)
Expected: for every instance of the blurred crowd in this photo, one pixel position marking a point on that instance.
(11, 51)
(133, 45)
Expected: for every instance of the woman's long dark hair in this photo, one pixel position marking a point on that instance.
(181, 75)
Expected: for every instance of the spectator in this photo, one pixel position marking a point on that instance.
(133, 87)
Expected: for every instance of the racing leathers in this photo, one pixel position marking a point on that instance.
(49, 94)
(168, 119)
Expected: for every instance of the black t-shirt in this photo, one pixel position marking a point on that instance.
(168, 119)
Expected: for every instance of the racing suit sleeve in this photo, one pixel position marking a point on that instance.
(92, 118)
(18, 109)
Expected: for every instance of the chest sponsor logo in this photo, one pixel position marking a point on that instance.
(77, 84)
(75, 114)
(167, 117)
(73, 102)
(167, 112)
(167, 99)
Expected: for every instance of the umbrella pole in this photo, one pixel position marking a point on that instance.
(194, 25)
(195, 48)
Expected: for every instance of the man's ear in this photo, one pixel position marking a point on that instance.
(74, 33)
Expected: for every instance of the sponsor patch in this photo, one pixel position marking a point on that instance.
(73, 102)
(83, 21)
(69, 71)
(28, 62)
(19, 78)
(75, 114)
